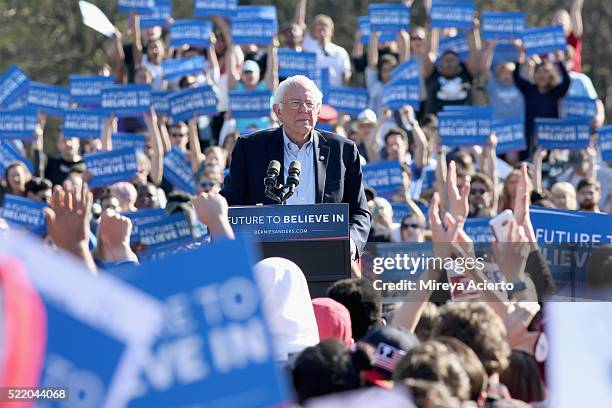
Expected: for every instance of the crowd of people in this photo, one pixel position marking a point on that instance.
(443, 354)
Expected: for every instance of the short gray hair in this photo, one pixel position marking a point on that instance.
(279, 94)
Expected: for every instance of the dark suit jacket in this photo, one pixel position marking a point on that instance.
(338, 176)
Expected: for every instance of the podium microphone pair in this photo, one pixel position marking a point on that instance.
(277, 192)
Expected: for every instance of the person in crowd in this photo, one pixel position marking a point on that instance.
(109, 201)
(412, 228)
(589, 195)
(522, 377)
(507, 199)
(57, 168)
(39, 189)
(152, 61)
(333, 320)
(113, 240)
(286, 301)
(126, 194)
(573, 28)
(434, 361)
(451, 82)
(335, 368)
(564, 196)
(378, 72)
(330, 56)
(504, 97)
(147, 196)
(390, 345)
(482, 196)
(362, 301)
(293, 35)
(363, 129)
(228, 145)
(16, 176)
(382, 220)
(543, 95)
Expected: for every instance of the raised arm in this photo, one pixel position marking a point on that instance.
(197, 158)
(489, 164)
(429, 62)
(373, 50)
(374, 143)
(157, 156)
(536, 177)
(357, 51)
(403, 42)
(473, 62)
(576, 16)
(421, 149)
(138, 48)
(300, 14)
(271, 77)
(119, 58)
(110, 126)
(560, 90)
(487, 59)
(213, 61)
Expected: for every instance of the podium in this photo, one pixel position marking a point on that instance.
(315, 237)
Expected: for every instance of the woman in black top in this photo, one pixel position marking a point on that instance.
(542, 96)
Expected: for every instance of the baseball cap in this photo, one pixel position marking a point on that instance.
(367, 116)
(391, 344)
(250, 65)
(327, 113)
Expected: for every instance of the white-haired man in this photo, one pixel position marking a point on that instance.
(330, 167)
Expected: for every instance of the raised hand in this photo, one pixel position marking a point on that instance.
(114, 237)
(458, 201)
(211, 209)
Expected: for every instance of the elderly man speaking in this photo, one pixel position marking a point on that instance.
(330, 168)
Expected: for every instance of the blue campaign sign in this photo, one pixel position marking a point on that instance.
(123, 140)
(83, 123)
(178, 171)
(364, 27)
(143, 217)
(160, 102)
(208, 8)
(103, 312)
(25, 213)
(9, 154)
(250, 104)
(177, 68)
(458, 44)
(291, 62)
(191, 32)
(510, 134)
(321, 78)
(51, 99)
(86, 89)
(464, 127)
(346, 99)
(398, 93)
(567, 238)
(193, 101)
(478, 229)
(256, 12)
(407, 70)
(543, 40)
(126, 100)
(576, 107)
(258, 31)
(449, 13)
(18, 124)
(385, 177)
(604, 136)
(562, 133)
(20, 102)
(388, 17)
(110, 167)
(400, 210)
(498, 25)
(552, 226)
(162, 12)
(215, 335)
(136, 6)
(279, 223)
(13, 83)
(170, 231)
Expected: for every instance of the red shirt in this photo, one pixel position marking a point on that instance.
(576, 42)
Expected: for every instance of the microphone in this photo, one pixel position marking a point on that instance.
(272, 174)
(293, 179)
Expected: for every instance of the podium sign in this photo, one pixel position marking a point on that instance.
(315, 237)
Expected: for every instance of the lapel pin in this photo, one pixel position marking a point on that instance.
(321, 158)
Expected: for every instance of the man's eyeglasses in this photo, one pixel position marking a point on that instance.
(476, 191)
(309, 105)
(413, 226)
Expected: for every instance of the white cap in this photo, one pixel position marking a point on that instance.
(367, 116)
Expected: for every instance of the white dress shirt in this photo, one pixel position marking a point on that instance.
(305, 191)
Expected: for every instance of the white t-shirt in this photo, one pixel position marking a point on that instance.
(332, 57)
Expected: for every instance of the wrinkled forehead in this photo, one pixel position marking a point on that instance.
(300, 91)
